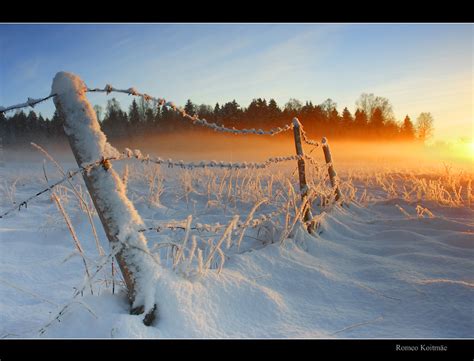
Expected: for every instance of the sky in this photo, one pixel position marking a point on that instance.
(418, 67)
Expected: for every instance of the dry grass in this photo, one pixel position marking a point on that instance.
(241, 193)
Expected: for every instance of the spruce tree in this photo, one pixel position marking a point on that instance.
(190, 108)
(377, 120)
(408, 129)
(360, 121)
(134, 115)
(346, 117)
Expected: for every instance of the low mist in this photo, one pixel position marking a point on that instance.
(195, 146)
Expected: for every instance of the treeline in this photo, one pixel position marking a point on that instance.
(373, 119)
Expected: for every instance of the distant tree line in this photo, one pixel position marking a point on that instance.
(373, 119)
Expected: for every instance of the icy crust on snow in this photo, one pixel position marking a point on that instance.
(123, 219)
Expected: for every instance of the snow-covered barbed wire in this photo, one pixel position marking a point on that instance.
(307, 140)
(137, 154)
(105, 162)
(195, 119)
(221, 128)
(203, 122)
(31, 102)
(214, 227)
(313, 161)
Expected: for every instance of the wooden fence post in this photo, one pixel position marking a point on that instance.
(301, 171)
(117, 214)
(332, 173)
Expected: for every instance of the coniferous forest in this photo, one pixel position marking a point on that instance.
(373, 119)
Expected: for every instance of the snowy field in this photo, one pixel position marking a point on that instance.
(395, 261)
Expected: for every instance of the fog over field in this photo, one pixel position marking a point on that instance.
(204, 146)
(394, 260)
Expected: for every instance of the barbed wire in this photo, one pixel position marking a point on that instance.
(195, 119)
(171, 105)
(203, 122)
(212, 227)
(137, 154)
(31, 102)
(70, 174)
(307, 140)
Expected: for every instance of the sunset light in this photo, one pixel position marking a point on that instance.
(241, 180)
(466, 149)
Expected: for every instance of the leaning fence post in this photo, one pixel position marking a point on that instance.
(117, 214)
(332, 173)
(301, 171)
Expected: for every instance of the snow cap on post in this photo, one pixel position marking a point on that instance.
(296, 122)
(82, 121)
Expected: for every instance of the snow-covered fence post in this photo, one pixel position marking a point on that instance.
(119, 217)
(301, 170)
(332, 173)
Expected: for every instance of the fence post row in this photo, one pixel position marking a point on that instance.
(106, 190)
(332, 173)
(302, 172)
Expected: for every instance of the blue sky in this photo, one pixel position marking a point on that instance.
(418, 67)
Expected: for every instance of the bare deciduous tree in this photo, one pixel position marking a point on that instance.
(369, 102)
(424, 126)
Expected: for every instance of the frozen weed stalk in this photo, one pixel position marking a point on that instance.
(77, 191)
(155, 184)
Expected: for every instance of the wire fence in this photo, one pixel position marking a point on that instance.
(137, 154)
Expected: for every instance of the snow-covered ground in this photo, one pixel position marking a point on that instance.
(378, 267)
